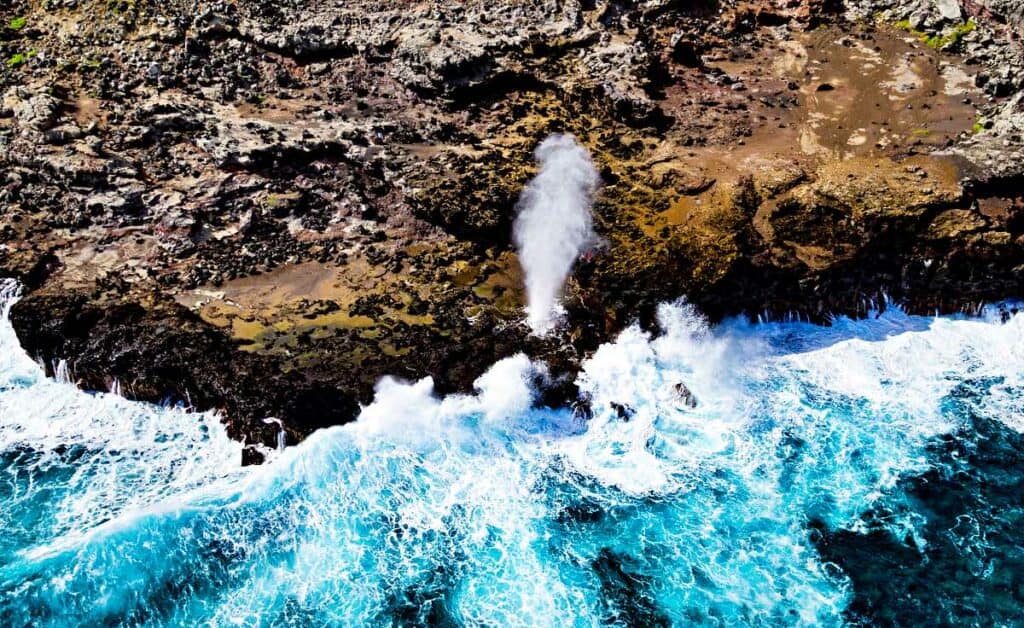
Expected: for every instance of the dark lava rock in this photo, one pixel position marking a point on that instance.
(263, 208)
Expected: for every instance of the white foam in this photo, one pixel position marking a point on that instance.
(469, 498)
(120, 456)
(411, 412)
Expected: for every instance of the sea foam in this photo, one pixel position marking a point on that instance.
(484, 509)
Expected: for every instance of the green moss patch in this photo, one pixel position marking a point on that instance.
(20, 58)
(949, 39)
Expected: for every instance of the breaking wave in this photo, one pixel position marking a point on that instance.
(773, 474)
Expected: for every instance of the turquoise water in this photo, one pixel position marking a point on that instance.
(867, 472)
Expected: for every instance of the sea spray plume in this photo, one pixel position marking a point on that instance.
(554, 224)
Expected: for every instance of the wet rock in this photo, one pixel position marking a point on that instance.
(685, 396)
(582, 409)
(623, 411)
(955, 223)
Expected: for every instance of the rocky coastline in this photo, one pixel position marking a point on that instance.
(263, 208)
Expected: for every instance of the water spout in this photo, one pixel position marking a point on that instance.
(554, 224)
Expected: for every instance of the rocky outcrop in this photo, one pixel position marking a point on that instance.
(1000, 10)
(265, 207)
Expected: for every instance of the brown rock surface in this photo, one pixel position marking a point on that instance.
(264, 207)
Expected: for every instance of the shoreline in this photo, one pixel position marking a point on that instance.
(267, 217)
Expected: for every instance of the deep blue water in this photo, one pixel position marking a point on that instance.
(867, 473)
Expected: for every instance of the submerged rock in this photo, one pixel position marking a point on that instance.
(686, 396)
(623, 411)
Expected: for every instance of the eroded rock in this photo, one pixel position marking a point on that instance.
(211, 202)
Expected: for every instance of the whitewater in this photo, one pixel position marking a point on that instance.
(788, 495)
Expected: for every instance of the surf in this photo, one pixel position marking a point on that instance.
(660, 508)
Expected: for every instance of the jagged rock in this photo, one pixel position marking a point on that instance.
(996, 152)
(37, 112)
(686, 396)
(62, 134)
(109, 202)
(949, 10)
(623, 411)
(299, 197)
(241, 142)
(1009, 10)
(955, 223)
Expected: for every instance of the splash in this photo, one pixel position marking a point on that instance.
(73, 462)
(554, 224)
(745, 502)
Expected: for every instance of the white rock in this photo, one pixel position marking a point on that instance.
(949, 9)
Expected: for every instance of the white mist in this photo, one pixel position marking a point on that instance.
(554, 224)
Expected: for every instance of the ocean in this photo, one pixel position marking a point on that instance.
(870, 472)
